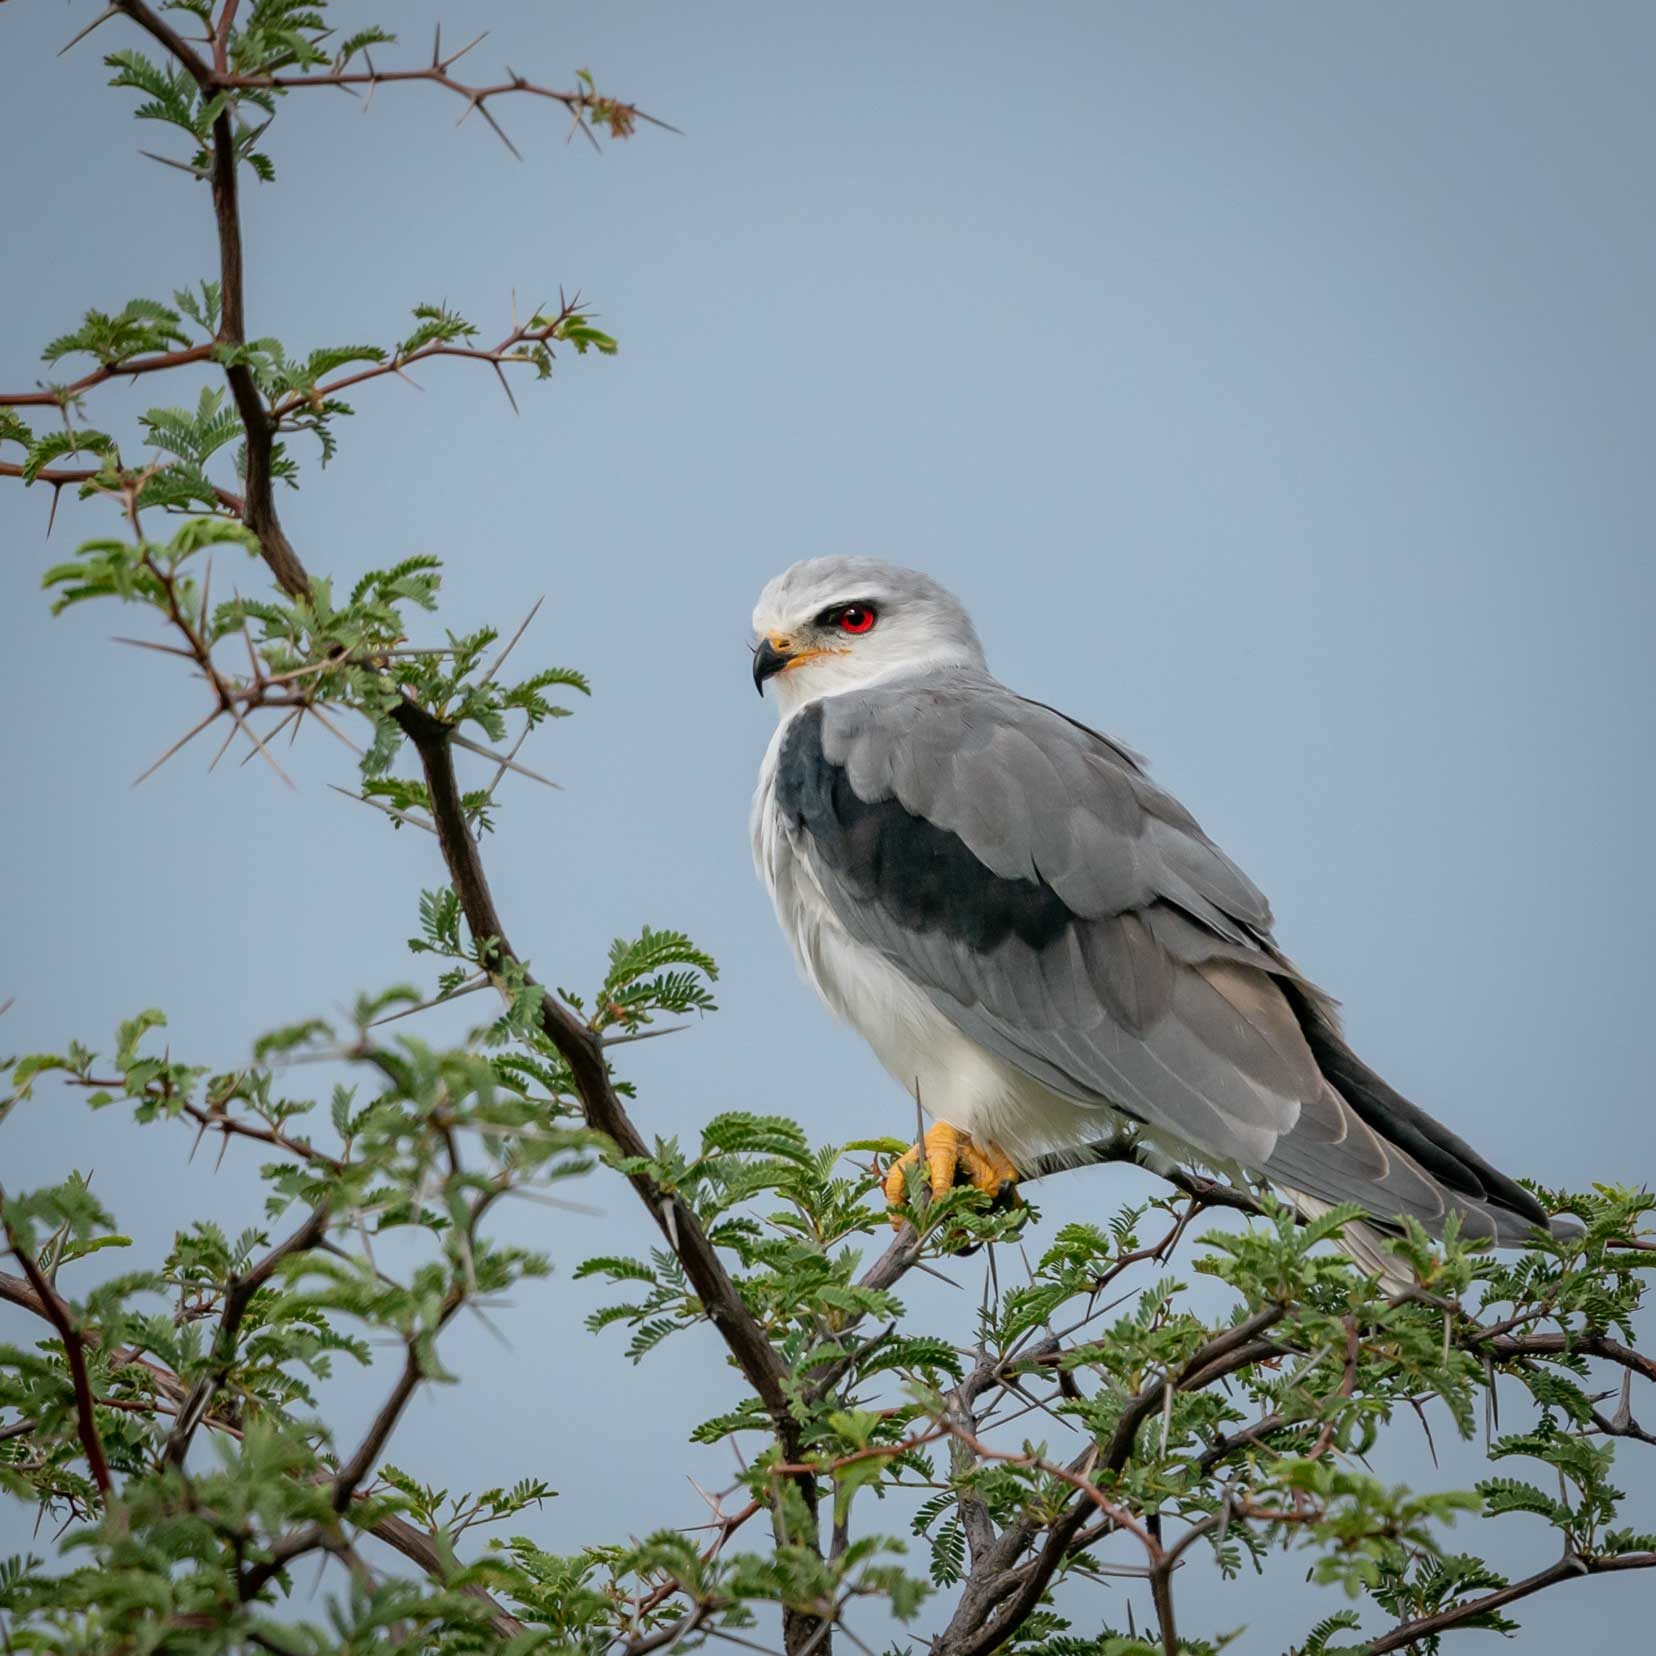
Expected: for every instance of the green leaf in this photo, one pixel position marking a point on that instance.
(55, 445)
(737, 1132)
(577, 331)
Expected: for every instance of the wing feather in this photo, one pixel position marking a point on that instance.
(1073, 918)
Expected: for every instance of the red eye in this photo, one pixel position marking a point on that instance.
(856, 618)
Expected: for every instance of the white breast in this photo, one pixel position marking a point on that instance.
(954, 1078)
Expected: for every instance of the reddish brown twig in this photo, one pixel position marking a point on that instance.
(1572, 1564)
(602, 1106)
(726, 1525)
(221, 36)
(1000, 1593)
(259, 508)
(1348, 1384)
(396, 1533)
(238, 1296)
(167, 35)
(586, 105)
(56, 1310)
(54, 396)
(56, 475)
(508, 351)
(59, 476)
(1552, 1345)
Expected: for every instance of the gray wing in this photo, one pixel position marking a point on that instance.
(1071, 917)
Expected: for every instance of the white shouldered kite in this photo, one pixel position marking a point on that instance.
(1039, 943)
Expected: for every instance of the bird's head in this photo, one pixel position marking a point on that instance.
(835, 624)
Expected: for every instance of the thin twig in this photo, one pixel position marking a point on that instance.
(74, 1350)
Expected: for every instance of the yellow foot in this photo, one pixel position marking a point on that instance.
(949, 1153)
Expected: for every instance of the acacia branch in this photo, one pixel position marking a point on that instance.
(55, 1309)
(416, 1546)
(998, 1581)
(1125, 1148)
(582, 1050)
(259, 508)
(351, 1474)
(579, 1047)
(533, 332)
(16, 1291)
(197, 636)
(993, 1577)
(169, 37)
(220, 1121)
(61, 476)
(259, 513)
(261, 422)
(1509, 1346)
(238, 1296)
(221, 36)
(397, 1533)
(586, 106)
(904, 1252)
(1566, 1569)
(343, 1490)
(57, 475)
(54, 396)
(977, 1626)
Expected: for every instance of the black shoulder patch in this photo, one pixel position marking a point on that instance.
(925, 877)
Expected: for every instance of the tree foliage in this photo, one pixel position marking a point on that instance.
(164, 1414)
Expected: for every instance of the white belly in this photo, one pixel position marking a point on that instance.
(953, 1078)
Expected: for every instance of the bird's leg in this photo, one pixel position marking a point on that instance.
(948, 1153)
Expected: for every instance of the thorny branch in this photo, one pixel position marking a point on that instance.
(262, 420)
(1010, 1570)
(61, 477)
(604, 1111)
(238, 1297)
(1410, 1634)
(585, 106)
(55, 1309)
(56, 396)
(580, 1048)
(397, 1533)
(537, 331)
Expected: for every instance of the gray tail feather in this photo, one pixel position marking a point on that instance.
(1491, 1206)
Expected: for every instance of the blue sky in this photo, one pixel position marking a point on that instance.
(1274, 383)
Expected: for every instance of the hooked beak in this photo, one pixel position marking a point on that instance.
(768, 661)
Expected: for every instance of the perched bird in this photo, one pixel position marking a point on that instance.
(1040, 944)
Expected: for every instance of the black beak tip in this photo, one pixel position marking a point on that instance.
(767, 663)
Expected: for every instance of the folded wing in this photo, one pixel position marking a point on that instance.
(1072, 917)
